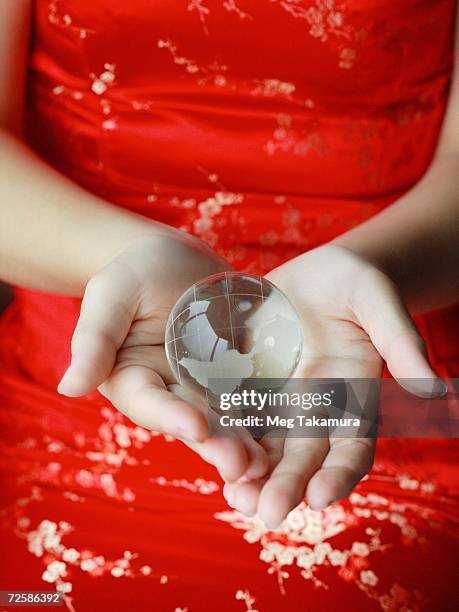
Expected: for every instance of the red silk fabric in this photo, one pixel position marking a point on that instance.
(265, 128)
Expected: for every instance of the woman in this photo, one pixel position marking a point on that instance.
(294, 139)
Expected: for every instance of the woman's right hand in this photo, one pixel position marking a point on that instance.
(118, 347)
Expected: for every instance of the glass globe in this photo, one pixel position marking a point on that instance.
(229, 328)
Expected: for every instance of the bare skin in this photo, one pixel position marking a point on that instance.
(50, 239)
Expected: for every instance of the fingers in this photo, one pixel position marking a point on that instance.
(243, 495)
(107, 311)
(346, 463)
(393, 333)
(140, 393)
(259, 462)
(227, 452)
(306, 465)
(287, 484)
(234, 451)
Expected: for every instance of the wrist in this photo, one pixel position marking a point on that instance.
(414, 240)
(386, 261)
(105, 236)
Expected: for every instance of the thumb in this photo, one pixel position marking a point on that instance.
(106, 315)
(385, 318)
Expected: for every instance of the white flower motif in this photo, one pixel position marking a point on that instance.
(274, 87)
(321, 552)
(85, 478)
(64, 526)
(55, 570)
(251, 536)
(48, 577)
(107, 77)
(35, 546)
(337, 557)
(306, 559)
(368, 577)
(409, 531)
(51, 541)
(98, 87)
(286, 556)
(360, 549)
(47, 528)
(409, 484)
(110, 124)
(266, 555)
(88, 565)
(296, 519)
(202, 225)
(71, 555)
(122, 435)
(100, 83)
(107, 482)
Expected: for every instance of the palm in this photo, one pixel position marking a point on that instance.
(118, 346)
(334, 348)
(352, 318)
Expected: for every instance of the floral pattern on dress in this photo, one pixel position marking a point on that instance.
(306, 542)
(265, 128)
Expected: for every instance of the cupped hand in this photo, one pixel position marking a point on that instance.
(118, 347)
(353, 321)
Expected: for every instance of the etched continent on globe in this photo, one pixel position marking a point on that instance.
(231, 327)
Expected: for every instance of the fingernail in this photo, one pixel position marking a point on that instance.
(221, 466)
(61, 387)
(185, 434)
(440, 387)
(319, 507)
(223, 475)
(271, 525)
(426, 388)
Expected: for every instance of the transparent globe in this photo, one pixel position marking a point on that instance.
(229, 328)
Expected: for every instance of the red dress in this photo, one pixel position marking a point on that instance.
(266, 128)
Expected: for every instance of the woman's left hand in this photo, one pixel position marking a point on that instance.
(353, 321)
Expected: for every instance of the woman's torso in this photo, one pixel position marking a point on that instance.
(265, 128)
